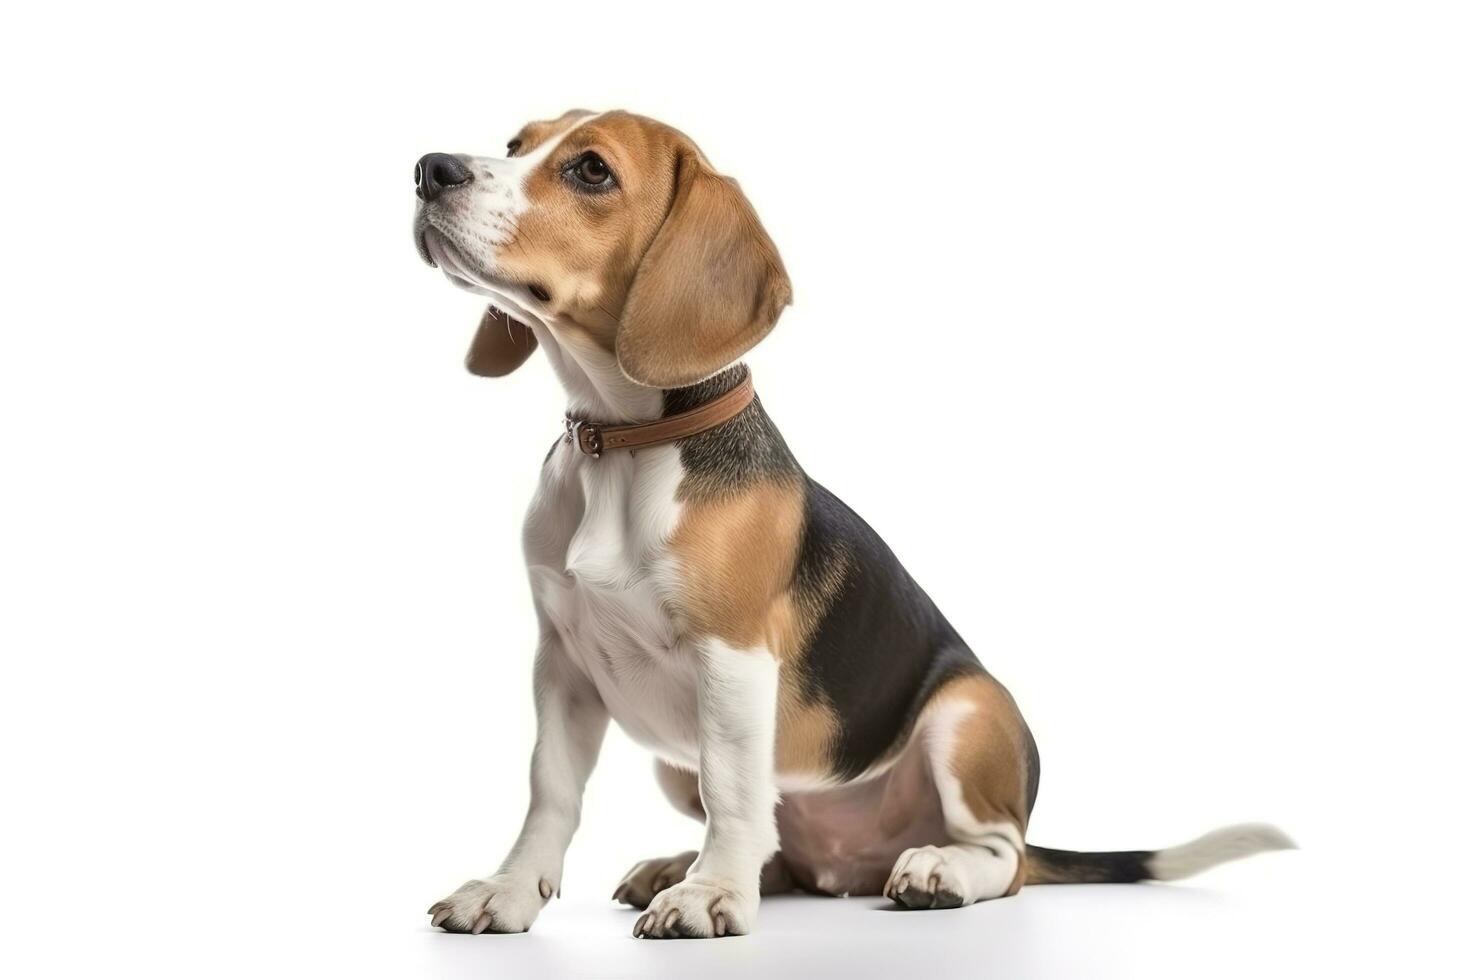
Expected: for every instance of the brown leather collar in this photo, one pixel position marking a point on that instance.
(594, 437)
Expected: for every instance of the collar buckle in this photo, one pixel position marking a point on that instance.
(586, 436)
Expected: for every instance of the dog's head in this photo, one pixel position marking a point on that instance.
(610, 227)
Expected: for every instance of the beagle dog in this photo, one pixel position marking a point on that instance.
(801, 694)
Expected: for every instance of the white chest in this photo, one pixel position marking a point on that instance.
(596, 547)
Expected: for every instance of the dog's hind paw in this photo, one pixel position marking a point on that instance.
(648, 878)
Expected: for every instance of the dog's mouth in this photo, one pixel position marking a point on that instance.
(436, 249)
(439, 252)
(421, 242)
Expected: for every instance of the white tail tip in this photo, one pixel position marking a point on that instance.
(1217, 847)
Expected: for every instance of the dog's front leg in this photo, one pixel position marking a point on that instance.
(570, 723)
(737, 738)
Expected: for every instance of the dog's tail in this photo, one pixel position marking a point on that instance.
(1045, 866)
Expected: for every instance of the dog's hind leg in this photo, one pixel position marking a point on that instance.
(982, 760)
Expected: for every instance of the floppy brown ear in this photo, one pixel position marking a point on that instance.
(500, 346)
(709, 287)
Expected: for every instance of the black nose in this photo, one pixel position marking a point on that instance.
(436, 171)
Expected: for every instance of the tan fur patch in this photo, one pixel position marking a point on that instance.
(584, 249)
(805, 730)
(710, 286)
(737, 554)
(989, 755)
(669, 267)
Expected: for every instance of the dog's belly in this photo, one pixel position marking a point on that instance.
(844, 840)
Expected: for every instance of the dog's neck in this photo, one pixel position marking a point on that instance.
(687, 399)
(597, 389)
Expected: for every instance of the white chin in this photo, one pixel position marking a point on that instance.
(457, 271)
(448, 259)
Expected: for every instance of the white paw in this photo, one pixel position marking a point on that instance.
(923, 878)
(699, 907)
(502, 903)
(650, 877)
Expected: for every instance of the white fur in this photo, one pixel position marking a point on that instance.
(570, 723)
(596, 550)
(970, 873)
(737, 748)
(737, 740)
(596, 386)
(1217, 847)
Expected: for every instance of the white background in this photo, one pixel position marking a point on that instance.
(1137, 329)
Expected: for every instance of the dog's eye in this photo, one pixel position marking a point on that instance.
(512, 148)
(592, 169)
(591, 172)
